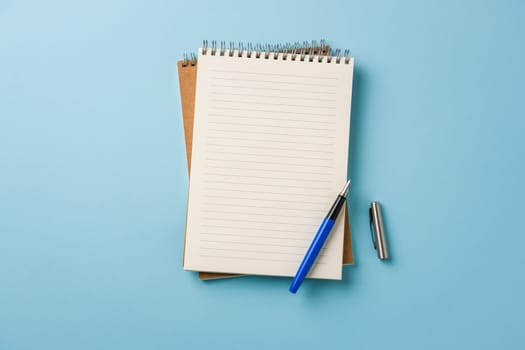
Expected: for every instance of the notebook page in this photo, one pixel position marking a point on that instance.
(270, 152)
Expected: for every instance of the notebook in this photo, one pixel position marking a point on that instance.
(187, 71)
(269, 154)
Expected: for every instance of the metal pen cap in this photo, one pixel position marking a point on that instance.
(378, 230)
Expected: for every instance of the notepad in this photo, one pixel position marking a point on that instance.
(269, 155)
(187, 70)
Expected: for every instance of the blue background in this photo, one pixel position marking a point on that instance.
(93, 178)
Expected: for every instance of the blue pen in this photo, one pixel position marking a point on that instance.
(320, 237)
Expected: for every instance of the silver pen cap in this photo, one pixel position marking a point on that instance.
(378, 231)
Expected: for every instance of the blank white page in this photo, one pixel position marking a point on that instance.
(270, 152)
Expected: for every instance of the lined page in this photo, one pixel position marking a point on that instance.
(270, 151)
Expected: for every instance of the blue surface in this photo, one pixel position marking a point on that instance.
(93, 178)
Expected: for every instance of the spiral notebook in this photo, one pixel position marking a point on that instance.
(187, 71)
(269, 152)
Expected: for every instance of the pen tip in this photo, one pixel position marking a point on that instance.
(345, 190)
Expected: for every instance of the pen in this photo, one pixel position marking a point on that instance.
(320, 237)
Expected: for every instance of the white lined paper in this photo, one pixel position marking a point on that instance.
(269, 157)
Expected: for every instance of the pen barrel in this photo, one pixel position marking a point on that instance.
(311, 254)
(336, 208)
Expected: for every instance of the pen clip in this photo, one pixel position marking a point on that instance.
(372, 233)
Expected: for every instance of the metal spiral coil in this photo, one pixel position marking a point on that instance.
(189, 59)
(305, 51)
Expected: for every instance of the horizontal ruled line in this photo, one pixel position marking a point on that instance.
(270, 126)
(264, 140)
(274, 96)
(259, 206)
(261, 244)
(271, 155)
(269, 118)
(257, 251)
(275, 148)
(260, 222)
(273, 89)
(271, 163)
(252, 258)
(271, 104)
(306, 239)
(262, 192)
(271, 111)
(258, 170)
(258, 132)
(269, 177)
(273, 74)
(267, 185)
(262, 199)
(255, 229)
(257, 214)
(244, 80)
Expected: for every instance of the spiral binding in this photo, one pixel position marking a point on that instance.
(305, 51)
(189, 59)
